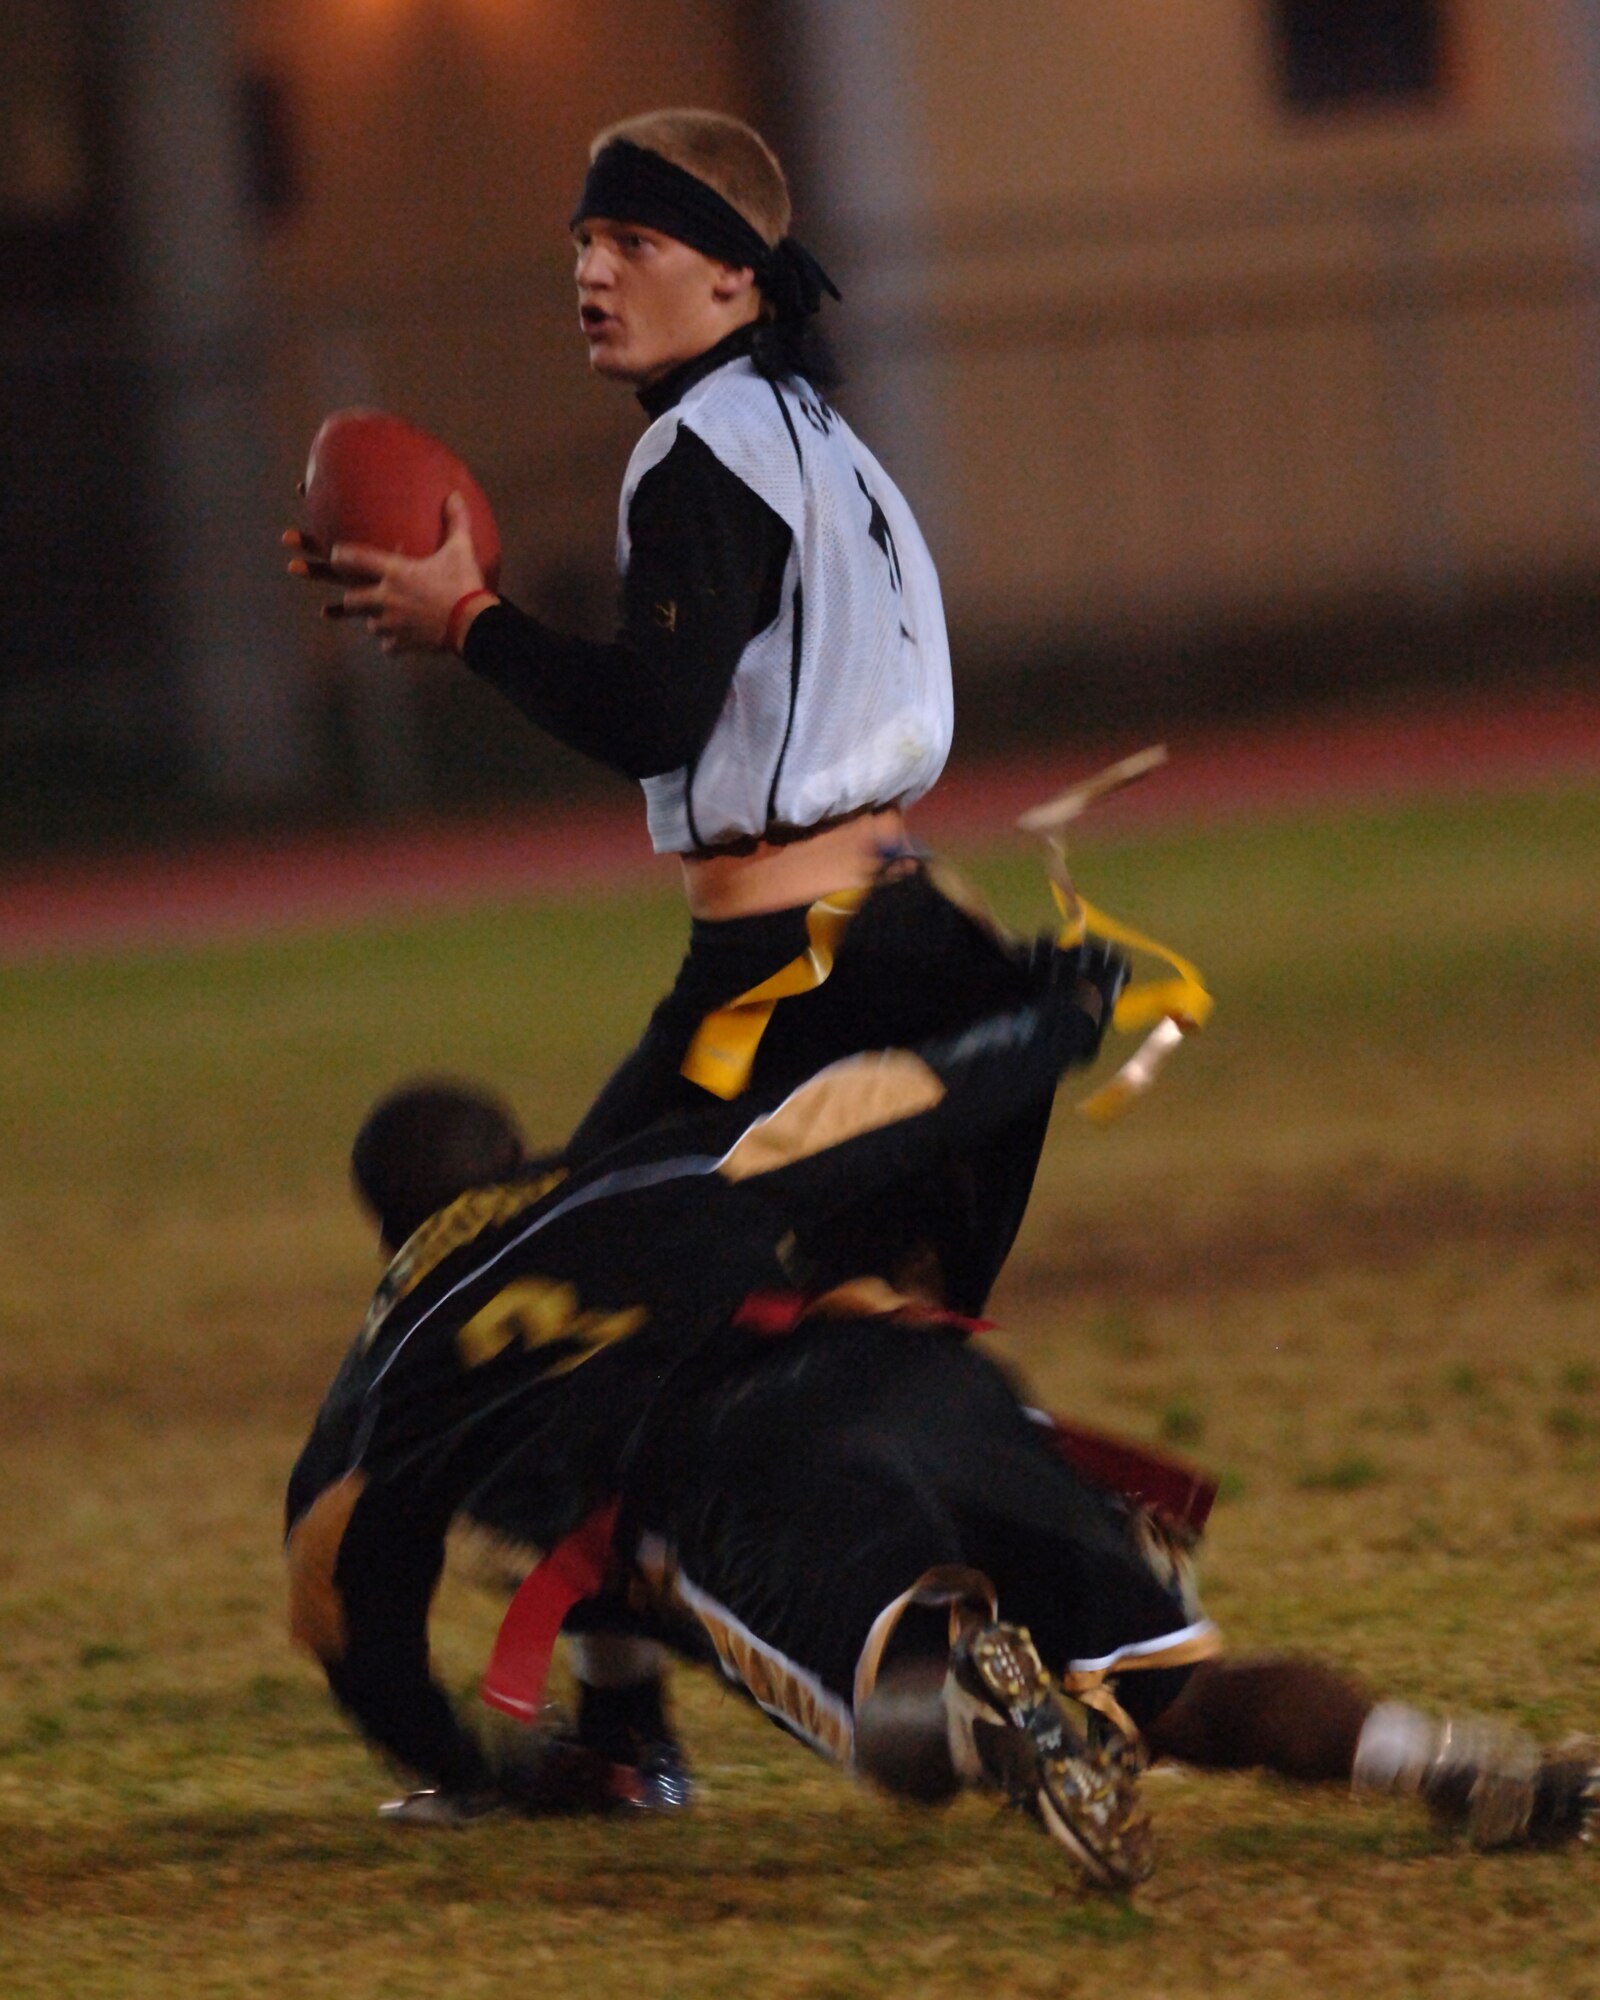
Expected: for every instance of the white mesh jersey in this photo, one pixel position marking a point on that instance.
(844, 701)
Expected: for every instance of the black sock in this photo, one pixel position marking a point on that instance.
(1560, 1798)
(619, 1721)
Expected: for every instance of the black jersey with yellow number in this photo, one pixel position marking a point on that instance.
(533, 1326)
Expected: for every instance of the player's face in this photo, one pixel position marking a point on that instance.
(648, 303)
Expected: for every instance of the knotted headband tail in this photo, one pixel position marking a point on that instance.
(793, 280)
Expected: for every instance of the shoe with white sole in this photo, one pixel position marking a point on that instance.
(433, 1808)
(1566, 1803)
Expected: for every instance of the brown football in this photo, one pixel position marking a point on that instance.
(373, 478)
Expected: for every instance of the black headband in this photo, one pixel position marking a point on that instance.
(629, 183)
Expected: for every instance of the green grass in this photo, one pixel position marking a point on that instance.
(1346, 1253)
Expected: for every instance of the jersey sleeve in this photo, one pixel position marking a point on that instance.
(705, 574)
(363, 1569)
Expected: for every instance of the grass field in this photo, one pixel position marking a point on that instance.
(1347, 1254)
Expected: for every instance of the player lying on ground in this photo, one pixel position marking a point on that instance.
(884, 1443)
(780, 683)
(966, 1198)
(521, 1334)
(867, 1525)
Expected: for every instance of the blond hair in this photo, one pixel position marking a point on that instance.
(724, 152)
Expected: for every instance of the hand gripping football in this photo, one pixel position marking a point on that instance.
(373, 478)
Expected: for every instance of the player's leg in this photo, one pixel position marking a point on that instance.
(1293, 1716)
(807, 1512)
(775, 1526)
(917, 963)
(1306, 1720)
(724, 959)
(622, 1722)
(1070, 1572)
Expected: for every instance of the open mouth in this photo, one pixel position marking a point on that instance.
(594, 318)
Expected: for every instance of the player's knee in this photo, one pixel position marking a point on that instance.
(902, 1734)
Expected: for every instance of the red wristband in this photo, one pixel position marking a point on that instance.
(454, 625)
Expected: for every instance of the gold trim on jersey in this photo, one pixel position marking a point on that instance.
(778, 1685)
(967, 1593)
(316, 1609)
(858, 1095)
(1093, 1685)
(466, 1218)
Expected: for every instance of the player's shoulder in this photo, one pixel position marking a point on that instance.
(475, 1226)
(749, 423)
(738, 404)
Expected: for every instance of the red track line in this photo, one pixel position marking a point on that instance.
(301, 881)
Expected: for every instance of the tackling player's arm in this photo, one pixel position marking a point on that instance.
(364, 1563)
(874, 1120)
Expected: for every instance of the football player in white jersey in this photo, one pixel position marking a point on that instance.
(780, 680)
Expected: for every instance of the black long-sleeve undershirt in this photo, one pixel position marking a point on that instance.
(705, 575)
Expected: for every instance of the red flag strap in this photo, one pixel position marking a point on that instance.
(574, 1569)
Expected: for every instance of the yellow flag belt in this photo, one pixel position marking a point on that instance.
(725, 1043)
(1165, 1009)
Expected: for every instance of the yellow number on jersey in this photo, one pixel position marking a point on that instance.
(539, 1312)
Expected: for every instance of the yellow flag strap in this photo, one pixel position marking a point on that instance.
(725, 1043)
(1168, 1008)
(1183, 998)
(723, 1051)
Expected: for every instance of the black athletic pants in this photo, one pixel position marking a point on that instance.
(912, 967)
(824, 1474)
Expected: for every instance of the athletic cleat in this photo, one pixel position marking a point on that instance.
(656, 1781)
(1484, 1775)
(1567, 1794)
(433, 1808)
(1079, 1781)
(553, 1775)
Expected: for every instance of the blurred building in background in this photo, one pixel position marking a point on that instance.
(1230, 349)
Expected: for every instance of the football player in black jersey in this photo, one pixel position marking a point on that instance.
(836, 1497)
(521, 1332)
